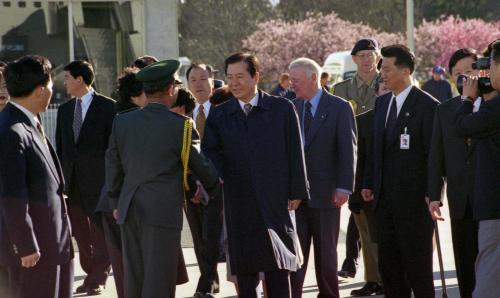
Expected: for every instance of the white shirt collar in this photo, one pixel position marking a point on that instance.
(254, 101)
(28, 113)
(477, 104)
(86, 101)
(206, 108)
(401, 97)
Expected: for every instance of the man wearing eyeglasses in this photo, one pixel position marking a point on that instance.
(360, 92)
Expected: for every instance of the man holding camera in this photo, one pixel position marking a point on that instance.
(483, 127)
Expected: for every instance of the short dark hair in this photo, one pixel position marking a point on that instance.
(128, 86)
(459, 55)
(185, 99)
(205, 67)
(495, 51)
(324, 75)
(144, 61)
(220, 96)
(25, 74)
(81, 68)
(404, 56)
(251, 61)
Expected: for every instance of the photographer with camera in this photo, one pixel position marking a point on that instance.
(483, 127)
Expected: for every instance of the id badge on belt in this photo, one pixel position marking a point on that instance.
(404, 141)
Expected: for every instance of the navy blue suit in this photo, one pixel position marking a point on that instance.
(33, 212)
(261, 161)
(330, 151)
(398, 178)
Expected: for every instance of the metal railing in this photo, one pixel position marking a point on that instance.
(49, 120)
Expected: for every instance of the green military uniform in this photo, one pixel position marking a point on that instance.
(360, 94)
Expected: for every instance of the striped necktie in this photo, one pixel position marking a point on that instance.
(77, 119)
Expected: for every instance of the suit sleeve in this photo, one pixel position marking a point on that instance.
(212, 144)
(369, 166)
(15, 196)
(480, 124)
(299, 188)
(202, 167)
(427, 127)
(114, 169)
(346, 149)
(436, 168)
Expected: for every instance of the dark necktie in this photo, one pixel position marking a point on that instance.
(200, 121)
(247, 107)
(390, 125)
(77, 119)
(308, 118)
(39, 127)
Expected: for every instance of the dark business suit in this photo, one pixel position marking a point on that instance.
(330, 153)
(144, 177)
(205, 223)
(33, 214)
(451, 160)
(83, 168)
(261, 161)
(398, 178)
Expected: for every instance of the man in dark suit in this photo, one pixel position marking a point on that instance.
(483, 127)
(204, 217)
(145, 174)
(329, 130)
(83, 128)
(451, 159)
(254, 141)
(35, 240)
(396, 178)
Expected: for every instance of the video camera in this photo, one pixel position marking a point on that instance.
(484, 83)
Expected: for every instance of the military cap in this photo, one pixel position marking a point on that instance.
(365, 44)
(161, 72)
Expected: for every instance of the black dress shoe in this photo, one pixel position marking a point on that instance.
(368, 289)
(81, 289)
(92, 291)
(346, 274)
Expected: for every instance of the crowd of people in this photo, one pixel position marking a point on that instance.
(259, 176)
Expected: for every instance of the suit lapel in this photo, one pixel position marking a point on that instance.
(404, 116)
(91, 115)
(319, 118)
(44, 149)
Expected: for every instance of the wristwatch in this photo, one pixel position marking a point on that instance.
(467, 98)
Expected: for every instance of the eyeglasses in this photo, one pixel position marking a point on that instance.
(365, 55)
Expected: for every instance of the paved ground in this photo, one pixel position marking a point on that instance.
(310, 288)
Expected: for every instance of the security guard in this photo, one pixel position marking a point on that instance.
(360, 90)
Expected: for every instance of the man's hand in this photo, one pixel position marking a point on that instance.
(339, 198)
(293, 204)
(196, 199)
(470, 87)
(30, 260)
(367, 195)
(435, 211)
(115, 214)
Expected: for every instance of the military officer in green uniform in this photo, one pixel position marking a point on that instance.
(360, 92)
(150, 151)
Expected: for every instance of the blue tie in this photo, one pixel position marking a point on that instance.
(77, 119)
(308, 118)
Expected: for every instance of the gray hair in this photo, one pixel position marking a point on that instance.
(309, 65)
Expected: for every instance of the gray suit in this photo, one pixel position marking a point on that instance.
(144, 178)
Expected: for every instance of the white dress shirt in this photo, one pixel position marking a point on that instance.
(400, 100)
(206, 109)
(86, 101)
(254, 101)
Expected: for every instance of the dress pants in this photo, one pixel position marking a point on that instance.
(205, 223)
(405, 249)
(114, 247)
(464, 237)
(352, 246)
(4, 281)
(88, 232)
(150, 258)
(368, 246)
(321, 225)
(277, 284)
(487, 262)
(41, 281)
